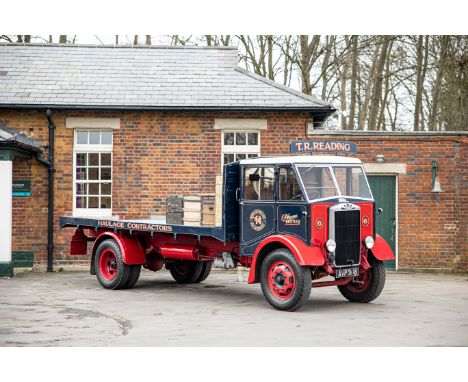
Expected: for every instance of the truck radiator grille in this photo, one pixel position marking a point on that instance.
(347, 237)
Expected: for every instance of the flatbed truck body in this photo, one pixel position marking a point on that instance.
(292, 220)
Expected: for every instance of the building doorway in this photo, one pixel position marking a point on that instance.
(384, 189)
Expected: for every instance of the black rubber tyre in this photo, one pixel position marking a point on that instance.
(186, 272)
(133, 277)
(298, 276)
(371, 289)
(113, 276)
(206, 270)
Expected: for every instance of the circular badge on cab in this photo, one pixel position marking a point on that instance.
(319, 223)
(365, 221)
(257, 220)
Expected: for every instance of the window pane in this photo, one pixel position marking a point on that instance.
(94, 137)
(240, 156)
(262, 188)
(93, 202)
(81, 137)
(105, 159)
(251, 187)
(252, 155)
(81, 159)
(106, 173)
(81, 173)
(106, 202)
(228, 158)
(253, 138)
(288, 186)
(93, 189)
(106, 137)
(106, 188)
(93, 173)
(267, 183)
(240, 138)
(81, 202)
(81, 188)
(228, 138)
(93, 159)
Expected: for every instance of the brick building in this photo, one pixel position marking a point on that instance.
(136, 125)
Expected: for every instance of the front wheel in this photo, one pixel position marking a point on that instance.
(368, 285)
(285, 283)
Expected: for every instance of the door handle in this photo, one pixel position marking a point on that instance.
(237, 194)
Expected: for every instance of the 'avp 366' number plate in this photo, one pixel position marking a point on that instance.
(347, 272)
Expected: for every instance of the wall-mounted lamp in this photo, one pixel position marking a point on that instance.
(436, 188)
(380, 158)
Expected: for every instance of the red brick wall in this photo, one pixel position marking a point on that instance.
(162, 154)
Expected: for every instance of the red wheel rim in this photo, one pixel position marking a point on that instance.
(108, 264)
(364, 280)
(281, 280)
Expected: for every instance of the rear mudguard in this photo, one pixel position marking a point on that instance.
(381, 250)
(305, 255)
(132, 251)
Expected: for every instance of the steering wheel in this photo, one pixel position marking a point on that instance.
(297, 197)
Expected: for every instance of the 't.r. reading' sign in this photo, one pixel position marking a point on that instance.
(323, 147)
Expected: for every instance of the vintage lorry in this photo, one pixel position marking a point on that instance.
(292, 220)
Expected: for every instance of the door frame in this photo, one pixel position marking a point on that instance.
(396, 212)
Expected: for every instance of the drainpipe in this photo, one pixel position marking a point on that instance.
(51, 170)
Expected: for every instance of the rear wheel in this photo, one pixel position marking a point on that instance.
(133, 276)
(285, 283)
(111, 271)
(369, 285)
(186, 272)
(206, 270)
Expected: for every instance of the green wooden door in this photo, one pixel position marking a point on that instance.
(384, 191)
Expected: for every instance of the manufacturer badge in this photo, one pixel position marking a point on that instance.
(365, 221)
(319, 223)
(257, 220)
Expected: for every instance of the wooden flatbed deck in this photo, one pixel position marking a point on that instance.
(152, 226)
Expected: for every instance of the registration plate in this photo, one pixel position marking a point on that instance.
(347, 272)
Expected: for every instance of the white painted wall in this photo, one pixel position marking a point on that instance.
(6, 172)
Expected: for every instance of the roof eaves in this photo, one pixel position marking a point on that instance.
(285, 88)
(305, 108)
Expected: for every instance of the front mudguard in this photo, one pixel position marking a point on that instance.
(381, 250)
(305, 255)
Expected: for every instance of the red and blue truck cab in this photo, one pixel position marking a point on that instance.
(298, 222)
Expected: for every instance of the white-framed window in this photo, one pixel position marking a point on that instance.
(239, 144)
(92, 172)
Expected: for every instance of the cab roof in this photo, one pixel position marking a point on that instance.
(309, 159)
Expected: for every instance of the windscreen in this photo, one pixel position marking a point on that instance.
(318, 182)
(352, 181)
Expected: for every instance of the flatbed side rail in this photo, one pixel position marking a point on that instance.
(141, 226)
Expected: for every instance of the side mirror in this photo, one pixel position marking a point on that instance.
(254, 177)
(380, 210)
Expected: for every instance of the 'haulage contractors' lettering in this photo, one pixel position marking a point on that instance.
(134, 226)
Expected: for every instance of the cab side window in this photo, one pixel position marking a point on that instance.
(259, 183)
(289, 186)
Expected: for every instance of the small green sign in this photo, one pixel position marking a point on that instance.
(21, 188)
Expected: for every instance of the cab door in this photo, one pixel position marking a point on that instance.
(292, 208)
(257, 206)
